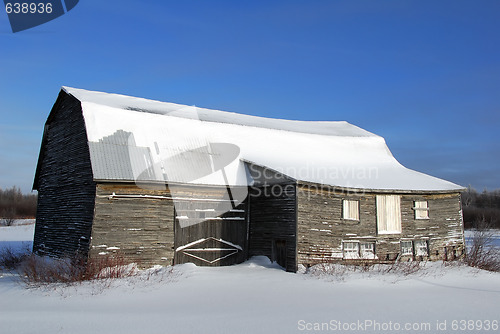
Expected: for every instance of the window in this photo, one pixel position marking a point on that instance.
(421, 248)
(350, 209)
(388, 214)
(356, 250)
(351, 250)
(421, 210)
(406, 247)
(367, 250)
(417, 247)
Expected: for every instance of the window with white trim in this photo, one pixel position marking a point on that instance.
(351, 250)
(388, 214)
(421, 248)
(406, 247)
(367, 250)
(421, 210)
(350, 209)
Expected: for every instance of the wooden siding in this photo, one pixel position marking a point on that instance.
(322, 230)
(220, 238)
(140, 223)
(139, 228)
(273, 223)
(65, 185)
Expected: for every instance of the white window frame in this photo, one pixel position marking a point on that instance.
(367, 250)
(406, 249)
(350, 209)
(388, 214)
(421, 248)
(350, 250)
(421, 209)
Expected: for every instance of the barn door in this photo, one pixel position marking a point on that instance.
(207, 236)
(279, 252)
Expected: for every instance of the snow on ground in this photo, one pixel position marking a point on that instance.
(494, 234)
(257, 297)
(19, 236)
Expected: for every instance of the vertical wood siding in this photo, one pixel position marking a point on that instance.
(273, 219)
(322, 231)
(65, 185)
(217, 237)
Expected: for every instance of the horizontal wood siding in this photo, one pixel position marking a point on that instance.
(273, 217)
(140, 223)
(322, 230)
(65, 185)
(140, 229)
(444, 229)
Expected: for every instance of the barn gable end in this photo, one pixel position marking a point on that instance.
(64, 180)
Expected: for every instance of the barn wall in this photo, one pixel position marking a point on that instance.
(65, 185)
(273, 217)
(139, 228)
(143, 224)
(322, 230)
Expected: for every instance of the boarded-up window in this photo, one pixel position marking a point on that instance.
(351, 250)
(421, 248)
(406, 247)
(367, 250)
(350, 209)
(388, 214)
(421, 210)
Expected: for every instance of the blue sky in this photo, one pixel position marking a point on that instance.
(425, 75)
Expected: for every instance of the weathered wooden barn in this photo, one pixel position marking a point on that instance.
(164, 183)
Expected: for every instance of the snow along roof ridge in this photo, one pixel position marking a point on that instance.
(127, 145)
(328, 128)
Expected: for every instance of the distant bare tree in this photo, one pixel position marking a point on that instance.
(482, 252)
(14, 204)
(468, 196)
(477, 206)
(8, 216)
(8, 221)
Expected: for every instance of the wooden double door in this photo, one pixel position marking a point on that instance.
(210, 232)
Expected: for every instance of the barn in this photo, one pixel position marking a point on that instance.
(163, 183)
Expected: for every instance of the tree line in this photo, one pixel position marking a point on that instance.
(14, 204)
(481, 207)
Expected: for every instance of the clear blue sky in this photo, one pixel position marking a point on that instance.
(425, 75)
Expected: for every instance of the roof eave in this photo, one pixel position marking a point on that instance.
(382, 191)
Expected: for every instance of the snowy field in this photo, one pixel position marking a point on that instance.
(18, 237)
(254, 297)
(495, 235)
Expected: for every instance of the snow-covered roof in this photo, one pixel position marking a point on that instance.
(138, 139)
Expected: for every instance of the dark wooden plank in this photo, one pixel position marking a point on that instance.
(273, 217)
(65, 185)
(214, 227)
